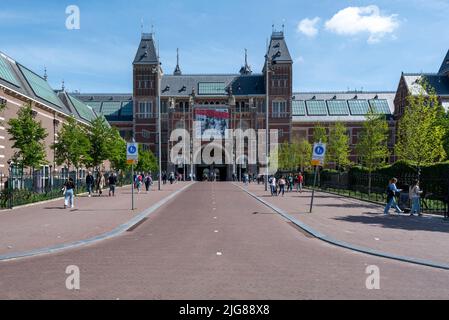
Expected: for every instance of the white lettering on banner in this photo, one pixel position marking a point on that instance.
(73, 21)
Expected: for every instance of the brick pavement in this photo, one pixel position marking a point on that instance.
(363, 224)
(173, 255)
(49, 224)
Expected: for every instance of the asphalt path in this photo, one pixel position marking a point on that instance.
(214, 241)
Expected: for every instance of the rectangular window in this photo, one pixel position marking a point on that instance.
(316, 108)
(145, 110)
(211, 88)
(279, 109)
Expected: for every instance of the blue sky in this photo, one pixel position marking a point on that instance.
(336, 44)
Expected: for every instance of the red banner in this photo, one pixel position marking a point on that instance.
(211, 113)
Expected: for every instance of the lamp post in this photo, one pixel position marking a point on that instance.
(267, 107)
(157, 70)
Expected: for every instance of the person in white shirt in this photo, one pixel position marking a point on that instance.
(415, 197)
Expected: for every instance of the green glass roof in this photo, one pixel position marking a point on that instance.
(211, 88)
(358, 107)
(111, 108)
(338, 107)
(316, 108)
(127, 109)
(6, 72)
(83, 110)
(40, 87)
(96, 105)
(380, 106)
(299, 108)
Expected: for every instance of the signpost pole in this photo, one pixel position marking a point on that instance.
(313, 190)
(319, 153)
(132, 187)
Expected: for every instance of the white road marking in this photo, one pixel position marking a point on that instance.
(219, 254)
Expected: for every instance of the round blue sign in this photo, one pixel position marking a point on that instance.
(319, 150)
(132, 149)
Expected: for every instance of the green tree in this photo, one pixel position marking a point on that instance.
(338, 147)
(319, 134)
(28, 136)
(420, 133)
(101, 139)
(147, 161)
(372, 146)
(2, 108)
(305, 154)
(73, 145)
(117, 154)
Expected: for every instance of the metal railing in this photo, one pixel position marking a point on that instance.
(434, 200)
(21, 189)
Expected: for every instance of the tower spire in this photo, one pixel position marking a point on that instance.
(177, 71)
(246, 69)
(45, 74)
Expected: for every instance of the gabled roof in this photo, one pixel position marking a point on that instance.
(146, 54)
(444, 69)
(18, 78)
(278, 50)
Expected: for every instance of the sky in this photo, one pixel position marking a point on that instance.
(336, 45)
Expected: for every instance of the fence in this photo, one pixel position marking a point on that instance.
(355, 184)
(20, 188)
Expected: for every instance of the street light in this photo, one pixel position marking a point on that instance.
(157, 70)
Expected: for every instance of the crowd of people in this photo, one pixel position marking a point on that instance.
(93, 185)
(287, 183)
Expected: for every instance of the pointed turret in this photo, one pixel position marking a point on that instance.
(246, 69)
(444, 70)
(146, 54)
(177, 71)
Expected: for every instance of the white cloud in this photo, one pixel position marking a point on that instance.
(355, 20)
(309, 27)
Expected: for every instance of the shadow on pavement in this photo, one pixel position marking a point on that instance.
(402, 222)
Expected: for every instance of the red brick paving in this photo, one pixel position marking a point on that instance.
(363, 224)
(173, 255)
(48, 224)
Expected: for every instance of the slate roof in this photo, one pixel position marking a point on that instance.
(439, 82)
(324, 97)
(114, 107)
(35, 87)
(278, 50)
(147, 50)
(444, 69)
(242, 85)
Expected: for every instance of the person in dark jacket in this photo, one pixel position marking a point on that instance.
(69, 193)
(90, 183)
(112, 180)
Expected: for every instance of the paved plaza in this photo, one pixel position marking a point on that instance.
(215, 241)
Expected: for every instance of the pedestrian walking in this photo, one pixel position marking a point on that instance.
(171, 177)
(392, 191)
(300, 182)
(100, 183)
(164, 177)
(148, 181)
(90, 181)
(139, 181)
(272, 181)
(282, 183)
(415, 197)
(112, 180)
(291, 182)
(69, 193)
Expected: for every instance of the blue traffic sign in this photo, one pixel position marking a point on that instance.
(319, 150)
(132, 149)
